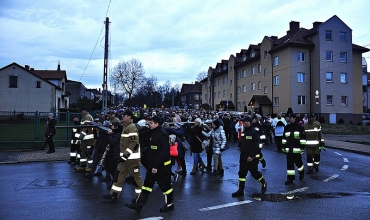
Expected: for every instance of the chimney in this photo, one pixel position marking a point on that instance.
(32, 69)
(27, 67)
(316, 24)
(58, 66)
(293, 27)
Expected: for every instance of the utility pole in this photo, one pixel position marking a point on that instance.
(105, 84)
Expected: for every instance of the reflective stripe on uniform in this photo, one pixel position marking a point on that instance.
(290, 172)
(262, 137)
(309, 164)
(258, 155)
(302, 142)
(72, 154)
(83, 160)
(129, 150)
(315, 142)
(74, 129)
(297, 150)
(301, 168)
(88, 147)
(77, 135)
(116, 188)
(167, 163)
(283, 141)
(138, 191)
(313, 130)
(88, 137)
(242, 179)
(146, 188)
(260, 145)
(287, 134)
(296, 134)
(168, 191)
(90, 161)
(129, 135)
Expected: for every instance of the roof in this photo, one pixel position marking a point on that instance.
(260, 99)
(191, 88)
(50, 74)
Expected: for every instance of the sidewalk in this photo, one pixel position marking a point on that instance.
(62, 154)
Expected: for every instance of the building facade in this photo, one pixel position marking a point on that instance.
(317, 70)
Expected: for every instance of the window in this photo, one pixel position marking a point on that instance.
(343, 57)
(238, 90)
(244, 57)
(259, 68)
(215, 95)
(329, 55)
(225, 67)
(231, 96)
(238, 75)
(231, 82)
(253, 86)
(218, 94)
(276, 61)
(206, 97)
(265, 90)
(265, 72)
(343, 101)
(329, 100)
(301, 100)
(224, 93)
(38, 84)
(329, 76)
(253, 70)
(276, 101)
(196, 96)
(238, 105)
(259, 85)
(328, 35)
(301, 57)
(253, 53)
(343, 77)
(301, 77)
(244, 104)
(218, 82)
(13, 81)
(276, 80)
(265, 54)
(205, 85)
(342, 36)
(244, 73)
(244, 88)
(225, 80)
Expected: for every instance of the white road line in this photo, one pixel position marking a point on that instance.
(337, 153)
(151, 218)
(225, 205)
(345, 160)
(331, 178)
(345, 167)
(296, 190)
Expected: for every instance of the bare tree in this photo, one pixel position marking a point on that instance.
(128, 76)
(202, 75)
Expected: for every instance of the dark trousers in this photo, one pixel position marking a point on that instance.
(252, 167)
(291, 160)
(50, 142)
(75, 148)
(162, 177)
(209, 158)
(278, 140)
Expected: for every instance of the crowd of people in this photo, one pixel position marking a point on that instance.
(122, 141)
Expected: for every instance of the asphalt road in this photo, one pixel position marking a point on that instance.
(52, 190)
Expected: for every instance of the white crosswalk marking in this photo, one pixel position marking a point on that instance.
(225, 205)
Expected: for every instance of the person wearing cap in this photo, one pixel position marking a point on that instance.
(249, 157)
(294, 141)
(315, 142)
(112, 117)
(258, 127)
(129, 158)
(49, 133)
(74, 153)
(218, 143)
(87, 141)
(159, 168)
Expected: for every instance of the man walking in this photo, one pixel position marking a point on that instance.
(249, 157)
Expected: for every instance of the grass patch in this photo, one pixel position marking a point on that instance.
(345, 129)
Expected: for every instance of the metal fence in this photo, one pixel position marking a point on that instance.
(25, 130)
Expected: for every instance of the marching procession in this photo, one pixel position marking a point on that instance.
(119, 143)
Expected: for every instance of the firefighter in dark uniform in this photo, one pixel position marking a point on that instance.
(75, 142)
(159, 168)
(258, 127)
(129, 158)
(314, 143)
(294, 141)
(249, 157)
(87, 142)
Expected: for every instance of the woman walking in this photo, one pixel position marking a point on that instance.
(196, 141)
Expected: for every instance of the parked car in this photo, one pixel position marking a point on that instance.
(366, 116)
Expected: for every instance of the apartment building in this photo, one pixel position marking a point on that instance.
(316, 70)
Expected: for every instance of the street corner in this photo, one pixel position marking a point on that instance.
(9, 157)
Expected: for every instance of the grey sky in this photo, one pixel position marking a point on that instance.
(174, 40)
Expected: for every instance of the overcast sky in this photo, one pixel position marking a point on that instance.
(174, 40)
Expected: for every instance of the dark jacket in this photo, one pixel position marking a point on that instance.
(50, 128)
(159, 151)
(113, 141)
(196, 138)
(249, 143)
(294, 138)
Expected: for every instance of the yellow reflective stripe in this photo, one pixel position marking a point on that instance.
(242, 179)
(297, 150)
(248, 137)
(168, 191)
(116, 188)
(315, 142)
(287, 134)
(302, 142)
(283, 141)
(153, 147)
(74, 129)
(146, 188)
(258, 155)
(167, 163)
(290, 172)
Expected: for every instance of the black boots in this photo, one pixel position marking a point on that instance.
(240, 191)
(263, 186)
(169, 203)
(139, 203)
(288, 182)
(112, 197)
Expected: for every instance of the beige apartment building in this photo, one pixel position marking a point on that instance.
(316, 70)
